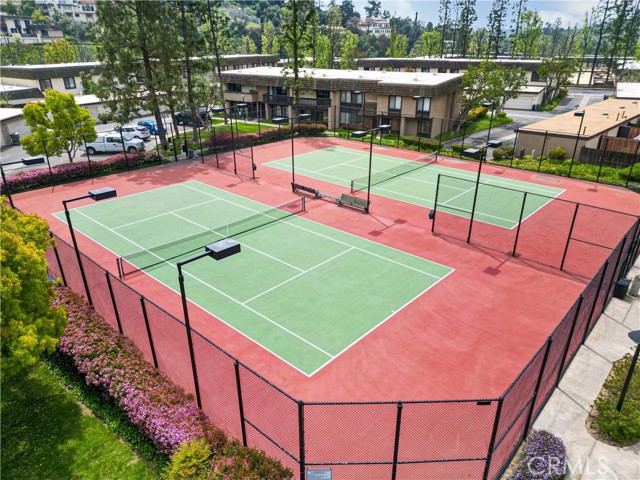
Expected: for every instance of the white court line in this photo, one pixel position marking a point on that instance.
(341, 163)
(245, 245)
(215, 289)
(298, 275)
(163, 214)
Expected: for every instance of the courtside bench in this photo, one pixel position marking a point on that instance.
(354, 202)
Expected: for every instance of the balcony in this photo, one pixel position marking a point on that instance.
(276, 99)
(313, 103)
(248, 97)
(423, 115)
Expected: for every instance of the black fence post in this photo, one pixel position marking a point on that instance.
(633, 163)
(55, 251)
(200, 143)
(566, 347)
(566, 247)
(146, 324)
(630, 257)
(301, 438)
(515, 243)
(602, 155)
(113, 302)
(544, 143)
(46, 155)
(537, 389)
(435, 205)
(515, 146)
(236, 367)
(595, 302)
(396, 443)
(464, 133)
(253, 163)
(175, 148)
(492, 442)
(615, 270)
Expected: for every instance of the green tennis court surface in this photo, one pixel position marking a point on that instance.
(348, 167)
(302, 290)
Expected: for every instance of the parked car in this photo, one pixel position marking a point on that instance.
(111, 142)
(184, 117)
(137, 131)
(151, 125)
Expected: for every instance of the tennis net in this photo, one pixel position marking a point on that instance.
(358, 184)
(170, 252)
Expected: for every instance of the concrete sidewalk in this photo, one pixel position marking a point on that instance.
(567, 410)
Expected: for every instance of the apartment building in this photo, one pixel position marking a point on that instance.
(529, 98)
(376, 26)
(15, 28)
(412, 103)
(79, 10)
(64, 77)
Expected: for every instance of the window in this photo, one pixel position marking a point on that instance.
(423, 105)
(396, 69)
(395, 102)
(69, 83)
(273, 90)
(45, 84)
(225, 68)
(350, 118)
(424, 70)
(454, 70)
(244, 65)
(279, 111)
(535, 77)
(234, 87)
(442, 70)
(114, 139)
(235, 67)
(323, 93)
(354, 98)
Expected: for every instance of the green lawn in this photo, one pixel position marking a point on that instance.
(47, 434)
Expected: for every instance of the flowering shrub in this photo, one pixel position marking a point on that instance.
(113, 363)
(70, 172)
(544, 457)
(225, 140)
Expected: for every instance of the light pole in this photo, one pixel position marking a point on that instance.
(234, 114)
(575, 148)
(95, 195)
(24, 161)
(363, 133)
(281, 120)
(217, 250)
(482, 157)
(635, 336)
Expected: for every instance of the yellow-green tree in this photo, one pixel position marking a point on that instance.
(59, 51)
(30, 324)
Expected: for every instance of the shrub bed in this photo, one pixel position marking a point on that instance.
(544, 456)
(225, 140)
(70, 172)
(163, 412)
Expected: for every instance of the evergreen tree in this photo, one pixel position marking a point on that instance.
(497, 17)
(528, 41)
(445, 20)
(428, 45)
(334, 32)
(399, 44)
(270, 39)
(349, 51)
(586, 38)
(517, 20)
(468, 17)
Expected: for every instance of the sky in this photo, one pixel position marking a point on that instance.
(570, 11)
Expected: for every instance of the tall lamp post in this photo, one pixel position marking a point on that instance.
(363, 133)
(635, 336)
(482, 158)
(234, 116)
(217, 250)
(279, 121)
(575, 148)
(95, 195)
(24, 161)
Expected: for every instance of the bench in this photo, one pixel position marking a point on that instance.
(297, 186)
(355, 202)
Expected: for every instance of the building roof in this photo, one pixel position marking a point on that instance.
(460, 63)
(9, 113)
(628, 90)
(17, 92)
(598, 118)
(386, 83)
(40, 72)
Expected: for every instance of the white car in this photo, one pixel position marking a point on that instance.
(111, 142)
(134, 132)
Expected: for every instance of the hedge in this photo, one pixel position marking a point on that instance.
(70, 172)
(226, 140)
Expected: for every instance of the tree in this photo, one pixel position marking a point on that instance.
(428, 45)
(619, 23)
(519, 9)
(527, 42)
(465, 24)
(38, 17)
(10, 8)
(504, 84)
(399, 44)
(557, 72)
(270, 40)
(27, 7)
(445, 20)
(59, 51)
(298, 15)
(630, 35)
(218, 21)
(349, 51)
(600, 36)
(59, 122)
(585, 38)
(324, 58)
(479, 43)
(497, 17)
(475, 83)
(348, 11)
(334, 23)
(31, 325)
(373, 8)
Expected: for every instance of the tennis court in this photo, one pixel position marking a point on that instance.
(414, 181)
(303, 291)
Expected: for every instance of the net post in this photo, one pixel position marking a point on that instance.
(143, 305)
(304, 204)
(396, 443)
(566, 347)
(595, 302)
(515, 243)
(113, 302)
(119, 267)
(435, 204)
(566, 247)
(236, 367)
(253, 163)
(55, 252)
(301, 438)
(537, 389)
(492, 441)
(351, 183)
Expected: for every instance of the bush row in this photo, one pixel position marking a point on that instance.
(225, 140)
(160, 410)
(70, 172)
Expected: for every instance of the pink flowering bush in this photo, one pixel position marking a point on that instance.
(70, 172)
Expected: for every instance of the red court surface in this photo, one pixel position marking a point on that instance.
(467, 337)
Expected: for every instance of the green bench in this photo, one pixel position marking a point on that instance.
(355, 202)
